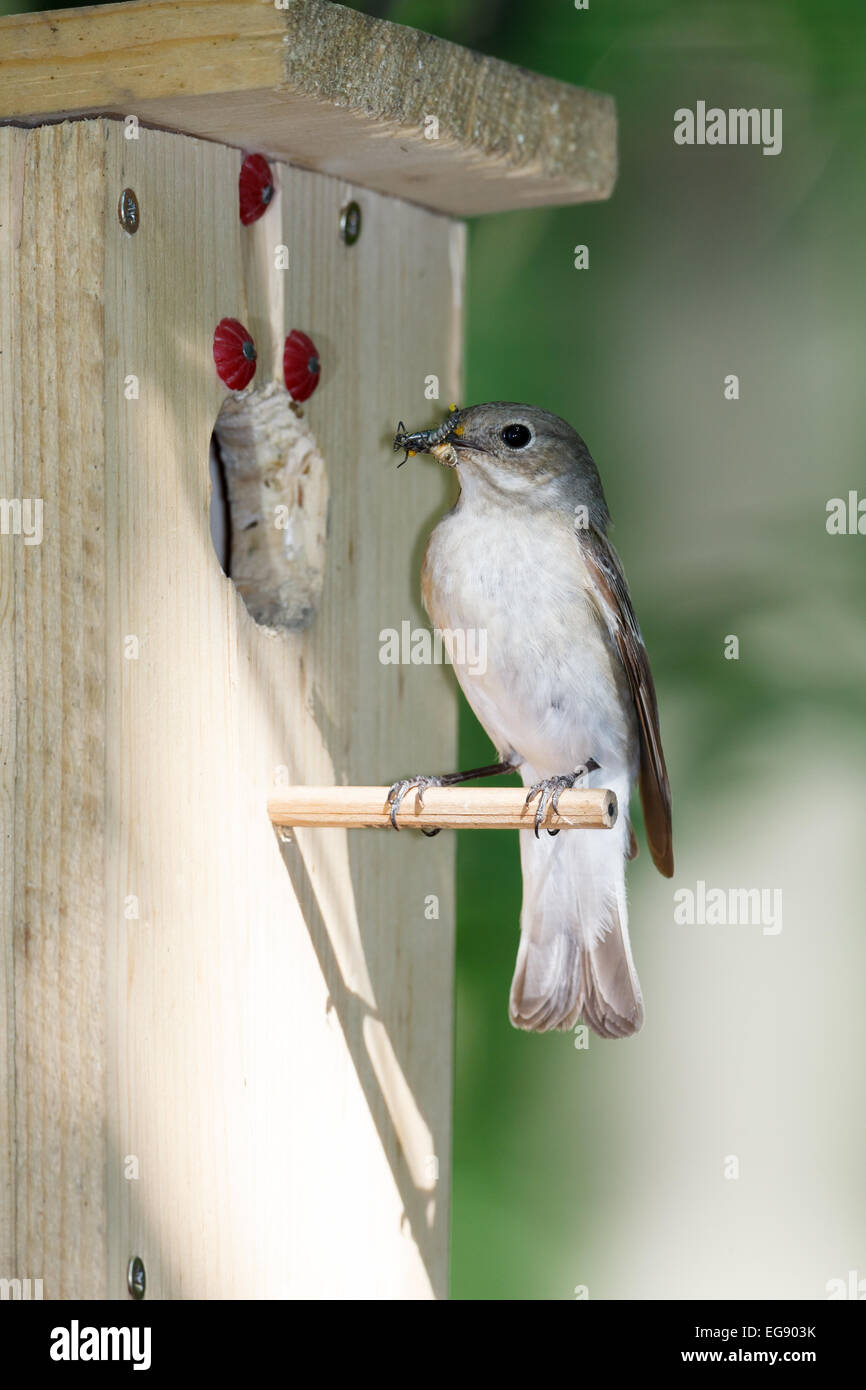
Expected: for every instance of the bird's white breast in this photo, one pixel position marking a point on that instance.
(554, 690)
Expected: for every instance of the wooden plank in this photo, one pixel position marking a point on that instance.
(232, 1057)
(324, 87)
(52, 605)
(12, 149)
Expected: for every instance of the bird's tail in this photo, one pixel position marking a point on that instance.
(574, 958)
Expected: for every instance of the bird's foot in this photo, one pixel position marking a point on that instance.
(398, 790)
(550, 790)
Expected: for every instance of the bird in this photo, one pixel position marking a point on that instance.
(565, 694)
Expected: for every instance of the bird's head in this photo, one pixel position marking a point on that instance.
(515, 451)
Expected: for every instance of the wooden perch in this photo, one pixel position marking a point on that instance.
(445, 808)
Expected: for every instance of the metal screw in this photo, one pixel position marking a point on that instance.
(127, 211)
(350, 223)
(136, 1278)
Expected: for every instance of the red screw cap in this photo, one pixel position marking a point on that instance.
(234, 353)
(301, 365)
(256, 187)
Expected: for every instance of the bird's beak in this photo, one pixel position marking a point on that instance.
(458, 439)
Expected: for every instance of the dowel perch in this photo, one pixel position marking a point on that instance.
(445, 808)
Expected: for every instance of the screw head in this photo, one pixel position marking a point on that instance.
(350, 223)
(136, 1278)
(127, 211)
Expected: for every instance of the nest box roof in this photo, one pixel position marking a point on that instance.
(321, 86)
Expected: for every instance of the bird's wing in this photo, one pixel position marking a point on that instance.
(614, 604)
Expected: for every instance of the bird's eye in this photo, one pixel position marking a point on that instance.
(516, 436)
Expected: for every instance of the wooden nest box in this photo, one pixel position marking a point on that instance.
(226, 1057)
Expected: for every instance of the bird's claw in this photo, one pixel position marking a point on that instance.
(550, 790)
(398, 790)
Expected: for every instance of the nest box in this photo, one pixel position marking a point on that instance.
(231, 230)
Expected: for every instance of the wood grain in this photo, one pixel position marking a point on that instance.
(445, 808)
(52, 608)
(324, 87)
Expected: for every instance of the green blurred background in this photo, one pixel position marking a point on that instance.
(605, 1168)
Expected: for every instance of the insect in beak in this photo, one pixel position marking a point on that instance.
(436, 442)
